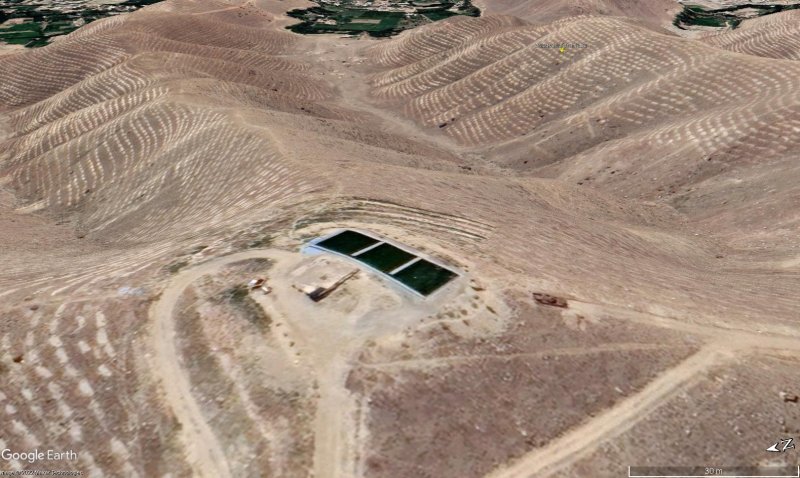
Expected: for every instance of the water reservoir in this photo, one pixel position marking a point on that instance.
(400, 264)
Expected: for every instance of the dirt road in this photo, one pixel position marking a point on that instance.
(326, 345)
(335, 428)
(579, 441)
(203, 451)
(723, 344)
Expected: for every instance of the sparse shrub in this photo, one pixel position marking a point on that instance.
(197, 249)
(264, 241)
(176, 266)
(239, 297)
(236, 294)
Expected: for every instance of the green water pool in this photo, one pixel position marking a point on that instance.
(386, 257)
(347, 242)
(425, 277)
(399, 264)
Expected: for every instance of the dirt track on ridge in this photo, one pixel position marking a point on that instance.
(723, 345)
(204, 452)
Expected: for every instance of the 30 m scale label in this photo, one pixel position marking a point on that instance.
(789, 471)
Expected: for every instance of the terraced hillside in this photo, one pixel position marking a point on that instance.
(640, 114)
(622, 217)
(771, 36)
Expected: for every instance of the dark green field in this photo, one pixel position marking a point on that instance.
(330, 18)
(694, 15)
(45, 19)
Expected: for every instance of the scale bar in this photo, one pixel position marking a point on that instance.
(714, 471)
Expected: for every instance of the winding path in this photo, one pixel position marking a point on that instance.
(333, 447)
(332, 442)
(578, 442)
(204, 453)
(723, 344)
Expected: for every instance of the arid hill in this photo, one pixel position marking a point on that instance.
(636, 113)
(771, 36)
(622, 213)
